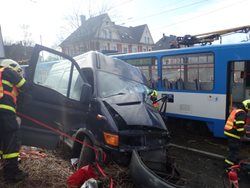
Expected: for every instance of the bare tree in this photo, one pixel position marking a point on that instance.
(73, 20)
(8, 41)
(27, 36)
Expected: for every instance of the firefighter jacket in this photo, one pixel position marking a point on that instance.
(235, 124)
(10, 83)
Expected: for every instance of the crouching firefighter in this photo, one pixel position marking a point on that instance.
(11, 82)
(153, 98)
(234, 130)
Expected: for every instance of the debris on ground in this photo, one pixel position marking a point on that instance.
(52, 168)
(49, 171)
(29, 152)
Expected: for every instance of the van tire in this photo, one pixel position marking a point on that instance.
(87, 154)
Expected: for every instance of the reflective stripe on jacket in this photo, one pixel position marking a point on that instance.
(10, 155)
(233, 126)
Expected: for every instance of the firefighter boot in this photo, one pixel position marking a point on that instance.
(12, 173)
(19, 175)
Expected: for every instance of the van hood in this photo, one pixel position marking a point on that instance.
(135, 111)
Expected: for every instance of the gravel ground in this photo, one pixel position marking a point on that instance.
(202, 170)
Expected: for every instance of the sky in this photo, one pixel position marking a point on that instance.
(45, 20)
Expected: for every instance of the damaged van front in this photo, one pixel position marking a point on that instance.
(128, 119)
(92, 98)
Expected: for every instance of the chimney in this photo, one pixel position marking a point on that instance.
(83, 19)
(163, 36)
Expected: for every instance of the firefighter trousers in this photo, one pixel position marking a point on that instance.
(9, 143)
(234, 146)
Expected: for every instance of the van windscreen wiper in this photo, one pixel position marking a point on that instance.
(115, 94)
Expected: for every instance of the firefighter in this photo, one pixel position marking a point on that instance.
(153, 98)
(11, 82)
(234, 130)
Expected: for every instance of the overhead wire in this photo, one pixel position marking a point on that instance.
(200, 15)
(162, 12)
(170, 10)
(124, 2)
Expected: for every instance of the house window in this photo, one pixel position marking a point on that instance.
(105, 34)
(139, 48)
(110, 34)
(129, 48)
(119, 47)
(125, 50)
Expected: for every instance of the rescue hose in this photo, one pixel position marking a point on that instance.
(62, 134)
(163, 107)
(74, 139)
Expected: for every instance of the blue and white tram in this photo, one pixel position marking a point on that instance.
(204, 83)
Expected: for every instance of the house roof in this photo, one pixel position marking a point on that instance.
(130, 34)
(88, 30)
(165, 42)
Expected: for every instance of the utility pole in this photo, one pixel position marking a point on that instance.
(41, 41)
(2, 53)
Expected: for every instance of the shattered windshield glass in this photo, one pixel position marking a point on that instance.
(111, 85)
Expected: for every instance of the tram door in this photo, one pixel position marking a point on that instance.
(240, 81)
(247, 80)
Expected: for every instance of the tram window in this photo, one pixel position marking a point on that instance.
(188, 72)
(238, 70)
(149, 69)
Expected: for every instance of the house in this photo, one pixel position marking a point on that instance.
(166, 42)
(18, 52)
(101, 34)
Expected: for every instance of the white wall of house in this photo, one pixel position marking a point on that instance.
(146, 37)
(108, 31)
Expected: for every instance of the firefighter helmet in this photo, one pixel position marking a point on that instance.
(154, 93)
(11, 64)
(246, 104)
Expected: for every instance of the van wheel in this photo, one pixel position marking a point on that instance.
(87, 154)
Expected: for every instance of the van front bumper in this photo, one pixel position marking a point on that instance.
(151, 174)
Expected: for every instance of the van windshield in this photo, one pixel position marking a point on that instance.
(111, 84)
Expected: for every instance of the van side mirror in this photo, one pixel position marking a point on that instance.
(86, 93)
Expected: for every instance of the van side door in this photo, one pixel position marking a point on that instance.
(58, 98)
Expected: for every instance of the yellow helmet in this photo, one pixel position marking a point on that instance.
(154, 93)
(11, 64)
(246, 104)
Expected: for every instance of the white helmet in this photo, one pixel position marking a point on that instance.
(11, 64)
